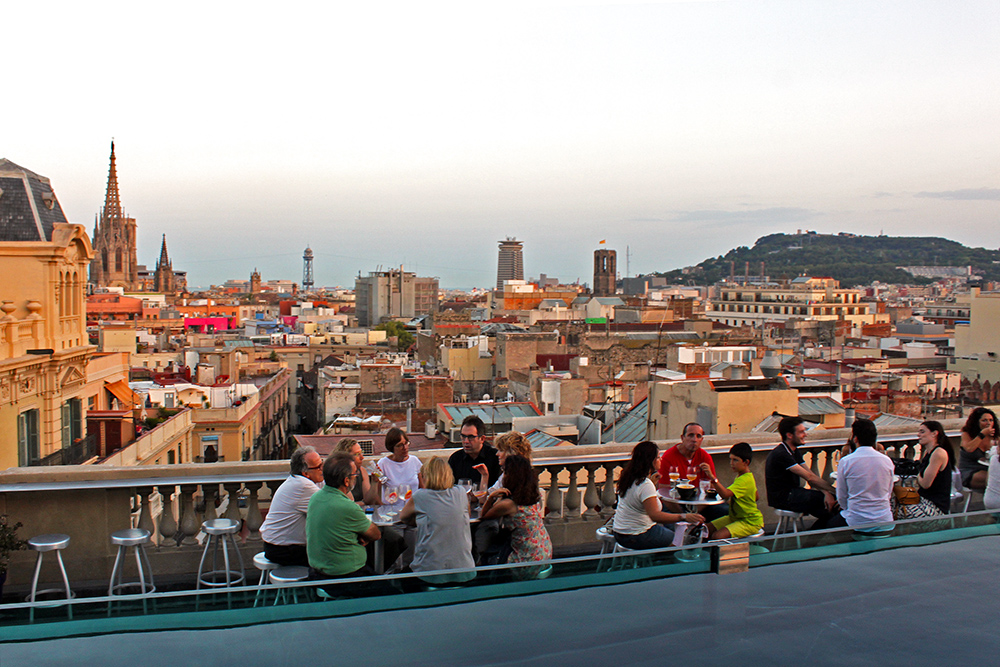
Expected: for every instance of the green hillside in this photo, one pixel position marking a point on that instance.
(853, 260)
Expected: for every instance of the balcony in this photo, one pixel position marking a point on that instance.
(171, 501)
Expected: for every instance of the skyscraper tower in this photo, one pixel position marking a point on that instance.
(605, 272)
(510, 263)
(307, 270)
(114, 262)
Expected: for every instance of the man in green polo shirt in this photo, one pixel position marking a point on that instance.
(337, 530)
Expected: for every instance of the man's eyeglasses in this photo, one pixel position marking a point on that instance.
(469, 437)
(319, 467)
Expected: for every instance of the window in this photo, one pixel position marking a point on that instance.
(170, 457)
(71, 413)
(27, 438)
(168, 400)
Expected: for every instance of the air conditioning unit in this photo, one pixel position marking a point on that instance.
(455, 435)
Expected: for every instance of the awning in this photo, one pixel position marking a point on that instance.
(124, 393)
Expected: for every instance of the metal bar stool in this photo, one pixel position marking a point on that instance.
(50, 542)
(789, 522)
(224, 531)
(123, 539)
(261, 562)
(286, 577)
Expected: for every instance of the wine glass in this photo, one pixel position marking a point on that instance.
(674, 474)
(392, 495)
(405, 491)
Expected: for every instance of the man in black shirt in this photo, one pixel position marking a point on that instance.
(474, 451)
(785, 468)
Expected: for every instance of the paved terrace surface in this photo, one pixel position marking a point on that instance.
(927, 605)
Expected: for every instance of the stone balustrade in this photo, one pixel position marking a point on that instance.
(88, 503)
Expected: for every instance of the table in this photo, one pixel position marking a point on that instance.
(698, 501)
(384, 516)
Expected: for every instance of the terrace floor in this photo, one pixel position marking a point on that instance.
(933, 604)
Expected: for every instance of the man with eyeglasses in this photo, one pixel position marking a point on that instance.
(474, 452)
(284, 529)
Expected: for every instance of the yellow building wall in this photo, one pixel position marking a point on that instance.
(740, 411)
(117, 339)
(466, 364)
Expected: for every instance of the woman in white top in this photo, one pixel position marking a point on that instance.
(398, 469)
(639, 517)
(991, 498)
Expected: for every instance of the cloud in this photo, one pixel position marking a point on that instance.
(968, 194)
(753, 216)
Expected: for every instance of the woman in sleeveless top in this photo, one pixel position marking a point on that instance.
(978, 435)
(520, 500)
(934, 479)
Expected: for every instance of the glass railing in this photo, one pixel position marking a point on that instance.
(252, 604)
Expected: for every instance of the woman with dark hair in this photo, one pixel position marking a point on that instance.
(399, 469)
(639, 517)
(934, 479)
(520, 500)
(978, 435)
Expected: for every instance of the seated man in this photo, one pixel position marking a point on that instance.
(864, 480)
(744, 518)
(284, 528)
(688, 457)
(784, 470)
(337, 530)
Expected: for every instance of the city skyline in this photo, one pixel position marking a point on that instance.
(419, 136)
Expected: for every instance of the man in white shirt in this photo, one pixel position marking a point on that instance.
(284, 529)
(864, 480)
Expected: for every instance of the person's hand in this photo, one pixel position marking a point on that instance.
(707, 469)
(362, 540)
(499, 493)
(481, 469)
(829, 501)
(655, 478)
(694, 518)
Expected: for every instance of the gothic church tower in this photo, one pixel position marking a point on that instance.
(114, 262)
(163, 279)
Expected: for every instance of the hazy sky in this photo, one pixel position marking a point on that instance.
(421, 133)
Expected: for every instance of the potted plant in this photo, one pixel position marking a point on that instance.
(8, 542)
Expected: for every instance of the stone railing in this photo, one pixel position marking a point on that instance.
(89, 503)
(165, 436)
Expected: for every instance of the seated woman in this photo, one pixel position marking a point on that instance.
(520, 500)
(991, 498)
(490, 538)
(511, 442)
(978, 435)
(934, 480)
(441, 511)
(744, 519)
(639, 518)
(364, 491)
(398, 469)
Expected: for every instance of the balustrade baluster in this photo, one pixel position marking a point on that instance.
(209, 492)
(573, 492)
(553, 499)
(189, 521)
(145, 512)
(590, 497)
(254, 518)
(233, 496)
(168, 524)
(608, 491)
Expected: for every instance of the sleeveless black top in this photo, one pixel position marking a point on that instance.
(939, 492)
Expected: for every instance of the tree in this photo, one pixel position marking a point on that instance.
(404, 339)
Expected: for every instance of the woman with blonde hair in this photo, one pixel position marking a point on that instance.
(441, 511)
(510, 443)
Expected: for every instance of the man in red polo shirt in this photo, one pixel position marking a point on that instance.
(685, 457)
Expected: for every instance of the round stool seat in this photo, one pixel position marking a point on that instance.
(50, 542)
(220, 526)
(788, 513)
(261, 562)
(130, 537)
(289, 574)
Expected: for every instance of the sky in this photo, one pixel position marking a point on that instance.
(421, 134)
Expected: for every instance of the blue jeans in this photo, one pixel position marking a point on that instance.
(657, 537)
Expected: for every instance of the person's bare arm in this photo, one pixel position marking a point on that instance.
(654, 509)
(370, 535)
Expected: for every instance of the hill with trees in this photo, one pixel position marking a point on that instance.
(853, 260)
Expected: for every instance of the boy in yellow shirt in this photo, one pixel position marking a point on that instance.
(744, 519)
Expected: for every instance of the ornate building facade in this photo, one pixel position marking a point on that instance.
(114, 262)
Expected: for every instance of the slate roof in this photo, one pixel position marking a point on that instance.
(28, 206)
(631, 427)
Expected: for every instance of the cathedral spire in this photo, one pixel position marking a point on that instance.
(112, 202)
(164, 260)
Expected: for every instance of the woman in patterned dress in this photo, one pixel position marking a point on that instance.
(520, 500)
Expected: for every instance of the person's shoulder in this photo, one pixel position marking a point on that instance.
(671, 450)
(456, 456)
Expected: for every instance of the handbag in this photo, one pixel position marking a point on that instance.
(906, 495)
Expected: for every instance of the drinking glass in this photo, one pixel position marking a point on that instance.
(674, 474)
(692, 478)
(704, 485)
(405, 491)
(392, 495)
